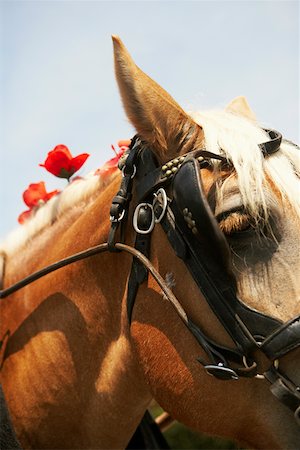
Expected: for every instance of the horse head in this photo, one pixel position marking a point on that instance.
(232, 187)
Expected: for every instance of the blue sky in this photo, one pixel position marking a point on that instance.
(58, 85)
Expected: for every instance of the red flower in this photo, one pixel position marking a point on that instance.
(34, 196)
(111, 165)
(61, 163)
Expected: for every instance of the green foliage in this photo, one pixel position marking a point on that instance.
(180, 437)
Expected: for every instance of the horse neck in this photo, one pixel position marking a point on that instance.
(78, 230)
(80, 312)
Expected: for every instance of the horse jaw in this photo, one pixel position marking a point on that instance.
(271, 286)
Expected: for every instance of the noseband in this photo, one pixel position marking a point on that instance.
(172, 195)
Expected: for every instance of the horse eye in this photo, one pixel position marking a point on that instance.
(235, 222)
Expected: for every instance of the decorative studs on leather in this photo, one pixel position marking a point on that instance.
(188, 217)
(203, 162)
(171, 167)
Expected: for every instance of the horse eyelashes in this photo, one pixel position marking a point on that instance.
(235, 222)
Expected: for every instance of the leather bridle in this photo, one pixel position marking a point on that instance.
(173, 196)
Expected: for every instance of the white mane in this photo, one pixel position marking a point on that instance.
(225, 133)
(77, 193)
(238, 139)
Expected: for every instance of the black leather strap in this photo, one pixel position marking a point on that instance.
(192, 205)
(284, 339)
(138, 273)
(153, 179)
(169, 227)
(120, 203)
(285, 390)
(272, 146)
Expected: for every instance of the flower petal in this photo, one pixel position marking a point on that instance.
(56, 161)
(51, 194)
(111, 165)
(62, 148)
(25, 215)
(34, 193)
(78, 161)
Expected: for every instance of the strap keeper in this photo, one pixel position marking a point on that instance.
(111, 240)
(117, 213)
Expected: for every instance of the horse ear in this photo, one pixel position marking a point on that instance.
(240, 106)
(158, 119)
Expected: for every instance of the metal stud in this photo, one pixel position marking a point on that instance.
(164, 168)
(190, 223)
(174, 169)
(188, 217)
(168, 173)
(170, 164)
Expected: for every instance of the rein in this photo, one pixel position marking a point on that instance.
(92, 251)
(173, 196)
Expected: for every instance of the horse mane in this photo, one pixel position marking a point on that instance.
(77, 194)
(238, 139)
(225, 133)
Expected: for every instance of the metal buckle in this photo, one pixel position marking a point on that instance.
(117, 219)
(128, 174)
(221, 372)
(164, 204)
(136, 216)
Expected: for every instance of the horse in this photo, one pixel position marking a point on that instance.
(188, 293)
